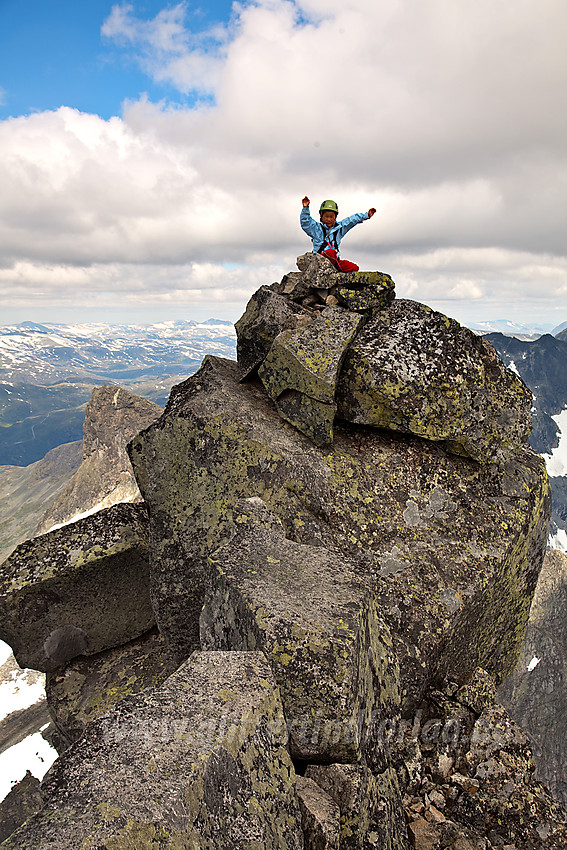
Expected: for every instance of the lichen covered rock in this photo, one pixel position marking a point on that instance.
(369, 802)
(200, 762)
(454, 548)
(267, 314)
(78, 590)
(313, 615)
(91, 685)
(414, 370)
(307, 361)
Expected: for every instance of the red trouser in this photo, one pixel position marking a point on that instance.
(341, 265)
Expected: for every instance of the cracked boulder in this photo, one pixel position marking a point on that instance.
(312, 613)
(414, 370)
(199, 762)
(301, 370)
(78, 590)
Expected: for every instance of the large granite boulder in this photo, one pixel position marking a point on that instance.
(200, 762)
(77, 590)
(454, 548)
(412, 369)
(313, 615)
(91, 685)
(535, 693)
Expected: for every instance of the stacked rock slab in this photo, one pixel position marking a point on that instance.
(200, 762)
(78, 590)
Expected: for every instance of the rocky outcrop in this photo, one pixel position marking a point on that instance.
(454, 549)
(78, 590)
(535, 693)
(309, 610)
(199, 762)
(375, 361)
(112, 417)
(22, 802)
(349, 597)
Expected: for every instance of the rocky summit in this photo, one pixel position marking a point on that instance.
(346, 528)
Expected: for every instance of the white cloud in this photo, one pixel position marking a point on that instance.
(443, 115)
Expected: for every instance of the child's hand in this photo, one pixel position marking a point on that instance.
(305, 201)
(371, 212)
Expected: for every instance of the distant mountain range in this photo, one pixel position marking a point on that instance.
(542, 364)
(48, 371)
(520, 331)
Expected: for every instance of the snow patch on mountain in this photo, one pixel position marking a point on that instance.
(557, 460)
(558, 540)
(33, 754)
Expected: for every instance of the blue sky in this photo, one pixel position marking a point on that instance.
(53, 54)
(153, 156)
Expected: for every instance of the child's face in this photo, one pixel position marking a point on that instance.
(328, 218)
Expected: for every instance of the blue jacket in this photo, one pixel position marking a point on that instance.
(321, 234)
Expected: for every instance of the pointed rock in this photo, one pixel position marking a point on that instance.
(112, 417)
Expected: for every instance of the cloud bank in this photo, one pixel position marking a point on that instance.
(443, 115)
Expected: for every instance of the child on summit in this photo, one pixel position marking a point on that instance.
(328, 232)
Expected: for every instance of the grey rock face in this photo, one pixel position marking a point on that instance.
(78, 590)
(199, 762)
(414, 370)
(112, 417)
(371, 813)
(535, 693)
(454, 548)
(309, 610)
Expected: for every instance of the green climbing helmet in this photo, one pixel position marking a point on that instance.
(329, 205)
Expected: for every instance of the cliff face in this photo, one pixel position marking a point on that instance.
(535, 692)
(345, 532)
